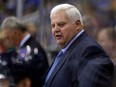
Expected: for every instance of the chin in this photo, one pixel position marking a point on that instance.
(60, 45)
(58, 42)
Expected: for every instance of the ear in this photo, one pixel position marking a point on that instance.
(78, 25)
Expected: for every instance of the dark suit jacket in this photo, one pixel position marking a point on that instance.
(84, 64)
(34, 68)
(38, 66)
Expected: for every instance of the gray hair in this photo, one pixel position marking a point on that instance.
(12, 23)
(71, 11)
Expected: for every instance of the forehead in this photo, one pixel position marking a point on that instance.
(59, 16)
(7, 32)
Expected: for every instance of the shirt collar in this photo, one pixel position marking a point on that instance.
(24, 40)
(64, 49)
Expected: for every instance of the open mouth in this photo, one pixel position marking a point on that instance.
(58, 35)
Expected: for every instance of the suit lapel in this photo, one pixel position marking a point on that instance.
(58, 66)
(64, 58)
(27, 42)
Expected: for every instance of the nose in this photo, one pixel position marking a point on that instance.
(56, 28)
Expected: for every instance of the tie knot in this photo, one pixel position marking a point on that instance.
(60, 54)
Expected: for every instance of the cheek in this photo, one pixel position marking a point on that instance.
(10, 41)
(67, 33)
(52, 32)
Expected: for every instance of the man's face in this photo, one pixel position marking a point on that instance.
(63, 29)
(26, 82)
(104, 40)
(10, 38)
(4, 83)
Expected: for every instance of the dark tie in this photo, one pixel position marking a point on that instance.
(54, 64)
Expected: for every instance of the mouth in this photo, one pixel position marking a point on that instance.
(58, 35)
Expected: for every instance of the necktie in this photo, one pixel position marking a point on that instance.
(54, 64)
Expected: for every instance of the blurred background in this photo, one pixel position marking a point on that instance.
(97, 15)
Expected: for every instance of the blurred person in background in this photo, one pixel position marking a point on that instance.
(5, 56)
(31, 28)
(91, 26)
(26, 82)
(28, 63)
(4, 82)
(5, 44)
(81, 61)
(106, 37)
(2, 47)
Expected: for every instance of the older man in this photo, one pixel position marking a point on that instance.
(30, 65)
(81, 62)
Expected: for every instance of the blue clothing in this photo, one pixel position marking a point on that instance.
(54, 64)
(60, 53)
(21, 63)
(84, 64)
(64, 49)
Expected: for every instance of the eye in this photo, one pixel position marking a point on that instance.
(52, 25)
(61, 24)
